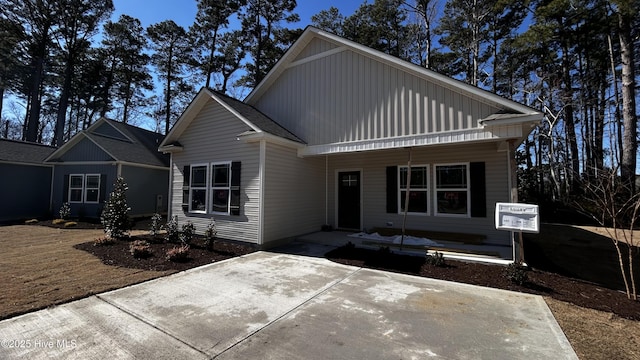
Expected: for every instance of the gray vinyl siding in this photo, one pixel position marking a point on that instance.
(110, 131)
(294, 194)
(145, 185)
(316, 46)
(25, 191)
(212, 137)
(85, 150)
(346, 97)
(373, 165)
(82, 209)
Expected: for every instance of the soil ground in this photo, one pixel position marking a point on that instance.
(42, 266)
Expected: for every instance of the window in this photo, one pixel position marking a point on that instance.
(220, 187)
(452, 189)
(418, 189)
(92, 188)
(198, 189)
(84, 188)
(76, 185)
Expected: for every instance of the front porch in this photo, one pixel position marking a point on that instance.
(451, 249)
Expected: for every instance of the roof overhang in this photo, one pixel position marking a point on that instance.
(253, 136)
(171, 148)
(490, 134)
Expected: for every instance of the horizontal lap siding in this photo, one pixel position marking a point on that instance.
(347, 96)
(374, 163)
(212, 137)
(294, 194)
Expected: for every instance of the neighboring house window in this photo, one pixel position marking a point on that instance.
(452, 189)
(220, 187)
(76, 185)
(418, 189)
(198, 189)
(92, 188)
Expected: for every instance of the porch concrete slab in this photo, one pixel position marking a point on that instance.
(87, 329)
(276, 305)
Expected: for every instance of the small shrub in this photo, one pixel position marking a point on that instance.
(103, 241)
(384, 250)
(178, 254)
(115, 215)
(156, 225)
(435, 259)
(58, 221)
(210, 234)
(70, 224)
(349, 246)
(188, 230)
(516, 273)
(31, 221)
(65, 211)
(140, 249)
(173, 235)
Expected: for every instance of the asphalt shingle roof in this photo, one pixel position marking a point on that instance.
(24, 152)
(262, 121)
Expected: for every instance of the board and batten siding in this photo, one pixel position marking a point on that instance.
(108, 173)
(25, 191)
(346, 96)
(85, 150)
(145, 184)
(212, 136)
(373, 165)
(294, 194)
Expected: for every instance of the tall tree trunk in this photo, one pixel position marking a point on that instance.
(629, 138)
(167, 96)
(569, 122)
(212, 52)
(63, 104)
(1, 100)
(33, 121)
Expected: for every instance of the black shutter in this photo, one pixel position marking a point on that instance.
(103, 188)
(186, 175)
(478, 190)
(235, 188)
(65, 190)
(392, 189)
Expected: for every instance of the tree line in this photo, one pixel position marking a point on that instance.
(574, 60)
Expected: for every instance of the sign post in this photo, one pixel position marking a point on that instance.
(520, 218)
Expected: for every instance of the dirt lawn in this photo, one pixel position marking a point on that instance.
(39, 267)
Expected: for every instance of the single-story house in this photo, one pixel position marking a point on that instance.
(327, 139)
(25, 181)
(87, 166)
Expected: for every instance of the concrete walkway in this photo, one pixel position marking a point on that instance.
(284, 306)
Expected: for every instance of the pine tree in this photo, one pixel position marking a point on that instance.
(115, 215)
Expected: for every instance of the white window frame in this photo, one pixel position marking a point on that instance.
(205, 188)
(436, 190)
(427, 190)
(81, 188)
(86, 188)
(213, 188)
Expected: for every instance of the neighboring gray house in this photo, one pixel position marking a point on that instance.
(326, 137)
(25, 181)
(86, 167)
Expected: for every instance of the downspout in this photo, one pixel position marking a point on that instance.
(53, 176)
(326, 189)
(261, 176)
(170, 194)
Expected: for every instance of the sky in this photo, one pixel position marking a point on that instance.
(183, 12)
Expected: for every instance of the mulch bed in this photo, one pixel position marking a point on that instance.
(118, 254)
(559, 287)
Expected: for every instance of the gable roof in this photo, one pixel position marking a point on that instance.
(310, 33)
(24, 152)
(136, 145)
(256, 120)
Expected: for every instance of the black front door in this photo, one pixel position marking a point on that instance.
(349, 200)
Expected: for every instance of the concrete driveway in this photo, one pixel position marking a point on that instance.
(284, 306)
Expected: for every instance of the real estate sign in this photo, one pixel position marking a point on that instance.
(517, 217)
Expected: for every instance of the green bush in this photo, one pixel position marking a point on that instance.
(188, 230)
(173, 235)
(435, 259)
(65, 211)
(210, 234)
(115, 216)
(516, 273)
(156, 225)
